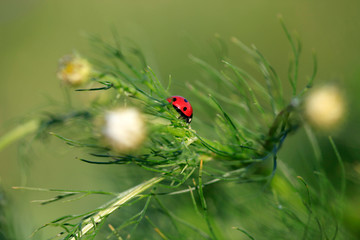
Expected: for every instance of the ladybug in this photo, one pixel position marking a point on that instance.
(182, 106)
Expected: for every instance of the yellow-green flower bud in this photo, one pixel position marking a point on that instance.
(74, 70)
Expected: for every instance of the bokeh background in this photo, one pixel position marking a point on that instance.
(35, 34)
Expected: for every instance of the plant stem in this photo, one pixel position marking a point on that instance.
(19, 132)
(114, 204)
(342, 170)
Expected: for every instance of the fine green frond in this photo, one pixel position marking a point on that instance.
(311, 79)
(156, 229)
(342, 170)
(77, 143)
(245, 232)
(203, 202)
(233, 129)
(296, 49)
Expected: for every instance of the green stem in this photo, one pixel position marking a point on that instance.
(114, 204)
(19, 132)
(204, 204)
(342, 169)
(317, 163)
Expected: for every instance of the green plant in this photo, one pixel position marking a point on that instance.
(253, 119)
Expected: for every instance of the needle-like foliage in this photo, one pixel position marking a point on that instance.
(180, 159)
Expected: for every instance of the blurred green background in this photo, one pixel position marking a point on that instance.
(35, 34)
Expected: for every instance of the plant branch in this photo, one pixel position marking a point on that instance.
(19, 132)
(121, 199)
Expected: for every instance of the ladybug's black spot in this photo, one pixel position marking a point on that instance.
(185, 101)
(185, 108)
(174, 99)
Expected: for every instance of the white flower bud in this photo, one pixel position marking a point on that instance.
(73, 70)
(325, 108)
(124, 129)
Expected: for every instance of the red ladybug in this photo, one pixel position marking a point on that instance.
(182, 106)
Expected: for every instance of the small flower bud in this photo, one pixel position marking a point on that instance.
(124, 129)
(74, 70)
(325, 108)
